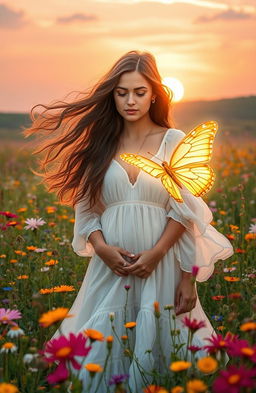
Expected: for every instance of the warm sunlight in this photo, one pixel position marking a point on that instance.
(176, 86)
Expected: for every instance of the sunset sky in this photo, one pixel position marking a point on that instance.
(52, 47)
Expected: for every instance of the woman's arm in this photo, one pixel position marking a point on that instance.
(170, 235)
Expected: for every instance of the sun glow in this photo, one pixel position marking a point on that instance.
(176, 87)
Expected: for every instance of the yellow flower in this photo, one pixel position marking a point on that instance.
(7, 388)
(93, 368)
(196, 386)
(177, 389)
(207, 364)
(94, 335)
(130, 325)
(53, 316)
(64, 288)
(180, 365)
(248, 326)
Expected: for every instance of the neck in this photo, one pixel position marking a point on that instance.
(138, 129)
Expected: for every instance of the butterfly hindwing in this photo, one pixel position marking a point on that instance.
(198, 179)
(171, 187)
(147, 165)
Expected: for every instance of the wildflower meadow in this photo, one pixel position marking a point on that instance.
(40, 276)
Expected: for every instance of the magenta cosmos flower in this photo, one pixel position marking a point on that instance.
(34, 223)
(234, 379)
(193, 324)
(8, 214)
(7, 316)
(63, 350)
(219, 343)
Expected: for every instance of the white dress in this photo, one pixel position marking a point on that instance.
(134, 218)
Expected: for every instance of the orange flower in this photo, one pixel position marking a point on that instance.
(93, 368)
(51, 262)
(154, 389)
(231, 279)
(177, 389)
(22, 277)
(94, 335)
(207, 364)
(53, 316)
(196, 386)
(13, 260)
(245, 327)
(64, 288)
(180, 365)
(250, 236)
(109, 339)
(31, 248)
(46, 290)
(8, 388)
(130, 325)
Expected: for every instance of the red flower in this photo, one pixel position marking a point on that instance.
(233, 379)
(8, 214)
(240, 251)
(194, 348)
(64, 350)
(218, 297)
(193, 325)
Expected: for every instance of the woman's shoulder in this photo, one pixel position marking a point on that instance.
(174, 134)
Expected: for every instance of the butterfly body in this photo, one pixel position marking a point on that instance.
(188, 164)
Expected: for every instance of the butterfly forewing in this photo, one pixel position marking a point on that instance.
(196, 147)
(143, 163)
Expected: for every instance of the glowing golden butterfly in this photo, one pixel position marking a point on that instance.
(188, 163)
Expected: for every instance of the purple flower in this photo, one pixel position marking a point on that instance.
(118, 379)
(127, 287)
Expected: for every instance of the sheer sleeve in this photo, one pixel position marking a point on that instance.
(200, 244)
(86, 223)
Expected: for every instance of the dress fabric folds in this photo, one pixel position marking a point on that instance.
(134, 216)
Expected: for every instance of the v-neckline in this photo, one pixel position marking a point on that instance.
(137, 178)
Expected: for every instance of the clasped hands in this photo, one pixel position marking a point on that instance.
(144, 264)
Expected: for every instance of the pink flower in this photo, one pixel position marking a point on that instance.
(195, 270)
(193, 325)
(6, 316)
(219, 343)
(241, 348)
(63, 350)
(34, 223)
(233, 379)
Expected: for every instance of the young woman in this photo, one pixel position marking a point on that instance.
(137, 235)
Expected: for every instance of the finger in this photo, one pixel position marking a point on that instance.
(132, 267)
(125, 252)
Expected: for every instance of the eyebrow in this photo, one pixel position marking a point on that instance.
(137, 88)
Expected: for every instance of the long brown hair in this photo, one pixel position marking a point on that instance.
(86, 132)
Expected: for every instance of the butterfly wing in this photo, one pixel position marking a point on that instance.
(147, 165)
(189, 160)
(171, 187)
(196, 146)
(197, 179)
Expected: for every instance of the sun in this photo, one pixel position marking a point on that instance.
(176, 86)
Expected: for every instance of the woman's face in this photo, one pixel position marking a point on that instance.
(133, 92)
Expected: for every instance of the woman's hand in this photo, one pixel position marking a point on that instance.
(186, 294)
(146, 262)
(112, 257)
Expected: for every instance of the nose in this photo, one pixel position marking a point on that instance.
(131, 100)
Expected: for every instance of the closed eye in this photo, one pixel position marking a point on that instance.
(138, 94)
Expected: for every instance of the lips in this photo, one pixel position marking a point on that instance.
(131, 111)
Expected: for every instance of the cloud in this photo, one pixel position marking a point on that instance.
(10, 19)
(76, 18)
(228, 15)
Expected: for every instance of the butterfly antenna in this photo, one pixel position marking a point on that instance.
(154, 156)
